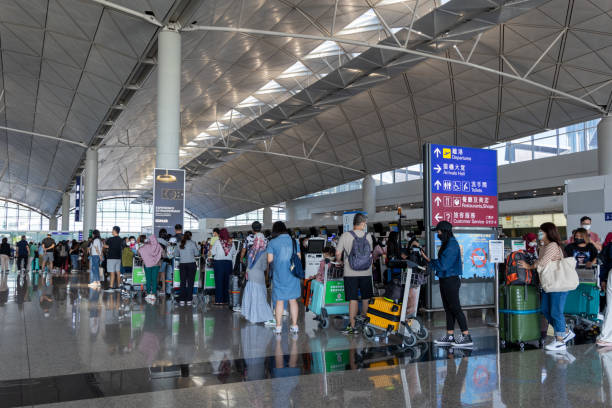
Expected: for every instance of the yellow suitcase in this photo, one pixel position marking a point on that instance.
(384, 314)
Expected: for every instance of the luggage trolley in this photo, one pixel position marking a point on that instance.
(133, 284)
(410, 327)
(582, 304)
(328, 297)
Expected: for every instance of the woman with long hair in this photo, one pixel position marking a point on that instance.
(553, 303)
(605, 338)
(223, 253)
(188, 252)
(285, 286)
(96, 255)
(449, 268)
(151, 253)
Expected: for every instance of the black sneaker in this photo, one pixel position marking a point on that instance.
(349, 330)
(463, 341)
(447, 340)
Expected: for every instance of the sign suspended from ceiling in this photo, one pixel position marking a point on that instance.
(168, 199)
(463, 186)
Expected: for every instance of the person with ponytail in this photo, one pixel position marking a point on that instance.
(188, 252)
(449, 268)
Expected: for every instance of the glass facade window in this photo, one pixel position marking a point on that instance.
(278, 214)
(14, 216)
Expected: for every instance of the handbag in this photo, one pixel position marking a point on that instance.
(559, 276)
(296, 263)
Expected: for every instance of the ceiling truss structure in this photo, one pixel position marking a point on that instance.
(466, 72)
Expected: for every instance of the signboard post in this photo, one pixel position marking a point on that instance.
(168, 199)
(77, 199)
(460, 186)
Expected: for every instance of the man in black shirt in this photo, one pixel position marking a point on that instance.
(584, 252)
(114, 245)
(23, 250)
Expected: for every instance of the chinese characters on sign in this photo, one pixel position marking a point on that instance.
(463, 186)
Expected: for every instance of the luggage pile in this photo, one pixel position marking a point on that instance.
(519, 303)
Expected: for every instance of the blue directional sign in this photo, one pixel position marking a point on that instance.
(463, 170)
(463, 186)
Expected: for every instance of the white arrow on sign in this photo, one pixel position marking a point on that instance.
(438, 217)
(438, 200)
(438, 169)
(437, 184)
(437, 152)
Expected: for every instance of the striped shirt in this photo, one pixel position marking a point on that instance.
(548, 253)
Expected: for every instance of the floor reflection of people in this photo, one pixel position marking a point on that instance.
(286, 367)
(556, 365)
(111, 322)
(4, 290)
(149, 344)
(94, 313)
(605, 354)
(455, 379)
(22, 288)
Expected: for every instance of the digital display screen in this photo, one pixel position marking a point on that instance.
(474, 254)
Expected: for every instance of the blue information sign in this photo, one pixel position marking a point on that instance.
(463, 186)
(463, 170)
(609, 216)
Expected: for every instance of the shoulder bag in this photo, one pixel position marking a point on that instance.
(559, 276)
(296, 262)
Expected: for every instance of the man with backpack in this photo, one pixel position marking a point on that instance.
(356, 246)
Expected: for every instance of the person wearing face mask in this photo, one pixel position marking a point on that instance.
(584, 251)
(449, 268)
(552, 303)
(585, 222)
(531, 244)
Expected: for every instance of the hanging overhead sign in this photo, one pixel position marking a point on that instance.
(168, 199)
(463, 186)
(77, 198)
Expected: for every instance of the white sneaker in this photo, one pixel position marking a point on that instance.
(294, 329)
(182, 303)
(278, 329)
(556, 345)
(189, 303)
(568, 336)
(270, 323)
(237, 309)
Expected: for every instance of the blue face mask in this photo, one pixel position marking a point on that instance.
(541, 235)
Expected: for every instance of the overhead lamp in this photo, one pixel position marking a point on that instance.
(166, 178)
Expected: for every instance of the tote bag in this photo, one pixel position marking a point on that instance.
(559, 276)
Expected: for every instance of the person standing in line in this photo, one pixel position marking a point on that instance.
(255, 307)
(449, 268)
(188, 252)
(581, 249)
(22, 250)
(223, 253)
(285, 286)
(5, 255)
(33, 255)
(114, 245)
(48, 246)
(74, 256)
(151, 253)
(178, 232)
(96, 256)
(553, 303)
(357, 275)
(214, 239)
(605, 337)
(127, 257)
(586, 223)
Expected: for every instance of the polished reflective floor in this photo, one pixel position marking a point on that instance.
(66, 344)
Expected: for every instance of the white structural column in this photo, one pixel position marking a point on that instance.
(91, 191)
(66, 212)
(604, 146)
(267, 217)
(168, 98)
(53, 223)
(290, 213)
(368, 190)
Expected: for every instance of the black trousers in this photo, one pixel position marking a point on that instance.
(20, 259)
(449, 291)
(188, 273)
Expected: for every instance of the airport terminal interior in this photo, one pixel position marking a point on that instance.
(305, 203)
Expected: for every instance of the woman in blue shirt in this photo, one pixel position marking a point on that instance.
(285, 286)
(448, 268)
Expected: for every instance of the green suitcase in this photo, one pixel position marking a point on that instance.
(519, 314)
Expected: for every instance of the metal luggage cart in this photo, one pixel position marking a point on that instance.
(328, 297)
(133, 284)
(411, 328)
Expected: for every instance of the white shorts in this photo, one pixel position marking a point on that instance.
(113, 265)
